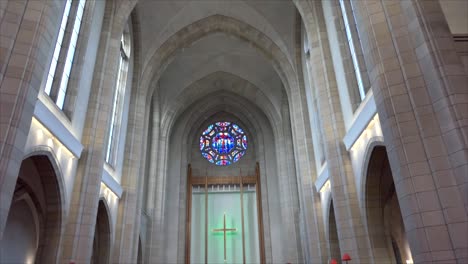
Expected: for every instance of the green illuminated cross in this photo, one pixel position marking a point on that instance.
(224, 230)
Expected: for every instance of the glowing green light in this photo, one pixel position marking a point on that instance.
(224, 230)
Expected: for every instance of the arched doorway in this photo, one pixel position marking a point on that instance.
(333, 241)
(101, 244)
(20, 241)
(384, 219)
(33, 227)
(139, 252)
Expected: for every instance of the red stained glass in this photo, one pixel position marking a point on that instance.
(223, 143)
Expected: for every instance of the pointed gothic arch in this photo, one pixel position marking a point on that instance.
(197, 90)
(332, 234)
(213, 24)
(102, 234)
(40, 181)
(184, 132)
(382, 211)
(140, 251)
(147, 87)
(23, 227)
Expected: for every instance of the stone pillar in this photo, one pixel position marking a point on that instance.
(420, 91)
(311, 219)
(157, 186)
(126, 227)
(27, 30)
(130, 205)
(351, 231)
(313, 236)
(79, 231)
(288, 188)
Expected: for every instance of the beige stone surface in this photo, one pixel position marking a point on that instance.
(379, 173)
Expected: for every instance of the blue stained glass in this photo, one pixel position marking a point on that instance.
(244, 142)
(223, 143)
(238, 156)
(208, 157)
(212, 153)
(223, 162)
(238, 129)
(234, 132)
(208, 130)
(222, 124)
(202, 143)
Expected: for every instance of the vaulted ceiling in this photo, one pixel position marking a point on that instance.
(218, 55)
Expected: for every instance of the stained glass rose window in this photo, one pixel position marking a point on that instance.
(223, 143)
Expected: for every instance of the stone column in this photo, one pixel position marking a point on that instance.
(288, 187)
(311, 220)
(130, 205)
(420, 91)
(27, 32)
(79, 231)
(157, 186)
(351, 231)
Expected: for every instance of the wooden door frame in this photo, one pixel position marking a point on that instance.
(241, 180)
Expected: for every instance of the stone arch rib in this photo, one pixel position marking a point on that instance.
(218, 24)
(51, 177)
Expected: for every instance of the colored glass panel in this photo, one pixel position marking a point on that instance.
(202, 143)
(208, 130)
(208, 157)
(223, 143)
(244, 142)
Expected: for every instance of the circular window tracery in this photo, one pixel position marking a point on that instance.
(223, 143)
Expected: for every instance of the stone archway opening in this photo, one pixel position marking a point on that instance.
(384, 219)
(333, 240)
(102, 236)
(140, 251)
(33, 228)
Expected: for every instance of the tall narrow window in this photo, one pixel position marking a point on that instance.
(353, 50)
(58, 47)
(314, 111)
(64, 52)
(118, 102)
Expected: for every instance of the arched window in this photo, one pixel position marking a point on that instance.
(223, 143)
(64, 51)
(118, 101)
(355, 48)
(314, 111)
